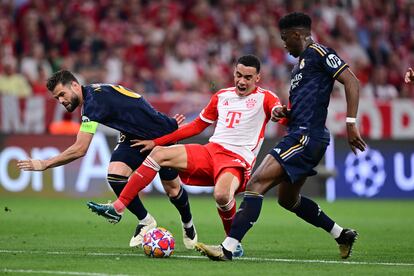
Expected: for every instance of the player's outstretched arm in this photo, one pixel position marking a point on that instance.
(409, 76)
(351, 83)
(77, 150)
(188, 130)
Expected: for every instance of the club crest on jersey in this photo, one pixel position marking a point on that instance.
(302, 64)
(250, 103)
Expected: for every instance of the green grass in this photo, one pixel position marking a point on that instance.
(61, 236)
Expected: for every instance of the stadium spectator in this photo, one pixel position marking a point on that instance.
(35, 60)
(378, 86)
(11, 82)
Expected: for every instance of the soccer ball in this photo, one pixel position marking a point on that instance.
(158, 243)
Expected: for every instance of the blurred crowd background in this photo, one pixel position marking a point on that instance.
(189, 46)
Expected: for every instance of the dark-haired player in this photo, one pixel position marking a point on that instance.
(241, 114)
(294, 158)
(124, 110)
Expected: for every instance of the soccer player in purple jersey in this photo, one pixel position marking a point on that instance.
(294, 158)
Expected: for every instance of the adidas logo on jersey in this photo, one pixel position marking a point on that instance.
(226, 103)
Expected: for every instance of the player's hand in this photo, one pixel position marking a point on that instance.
(354, 138)
(409, 75)
(179, 118)
(145, 144)
(32, 165)
(279, 113)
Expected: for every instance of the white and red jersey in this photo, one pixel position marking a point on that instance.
(241, 120)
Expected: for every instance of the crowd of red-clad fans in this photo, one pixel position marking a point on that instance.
(190, 46)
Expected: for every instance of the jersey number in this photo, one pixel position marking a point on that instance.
(126, 91)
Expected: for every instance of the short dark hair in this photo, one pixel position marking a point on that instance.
(63, 76)
(295, 19)
(251, 61)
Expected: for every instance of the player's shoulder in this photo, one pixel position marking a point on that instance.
(225, 92)
(229, 90)
(320, 50)
(266, 92)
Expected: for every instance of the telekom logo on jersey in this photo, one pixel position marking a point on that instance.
(233, 118)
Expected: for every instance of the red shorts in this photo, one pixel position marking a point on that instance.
(205, 163)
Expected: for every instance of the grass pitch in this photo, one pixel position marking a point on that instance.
(44, 236)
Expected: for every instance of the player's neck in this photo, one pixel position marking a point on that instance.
(308, 41)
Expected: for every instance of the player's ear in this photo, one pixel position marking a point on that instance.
(257, 77)
(75, 85)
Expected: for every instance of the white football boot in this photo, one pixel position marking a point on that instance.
(141, 230)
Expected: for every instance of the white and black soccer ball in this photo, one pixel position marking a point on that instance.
(365, 172)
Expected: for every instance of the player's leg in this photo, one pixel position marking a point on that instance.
(146, 221)
(171, 156)
(266, 176)
(299, 164)
(309, 211)
(179, 198)
(227, 183)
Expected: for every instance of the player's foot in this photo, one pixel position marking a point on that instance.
(105, 210)
(189, 237)
(239, 251)
(346, 241)
(214, 252)
(141, 230)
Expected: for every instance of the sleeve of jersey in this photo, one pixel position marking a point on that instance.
(271, 102)
(187, 130)
(333, 64)
(210, 113)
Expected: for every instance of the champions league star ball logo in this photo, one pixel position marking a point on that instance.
(365, 172)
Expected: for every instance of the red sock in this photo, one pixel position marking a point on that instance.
(226, 214)
(139, 180)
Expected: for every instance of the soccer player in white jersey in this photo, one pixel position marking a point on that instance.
(241, 113)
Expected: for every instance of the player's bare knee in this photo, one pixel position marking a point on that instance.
(222, 197)
(171, 189)
(157, 154)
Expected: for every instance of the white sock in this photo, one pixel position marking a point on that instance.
(230, 244)
(147, 220)
(336, 231)
(188, 224)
